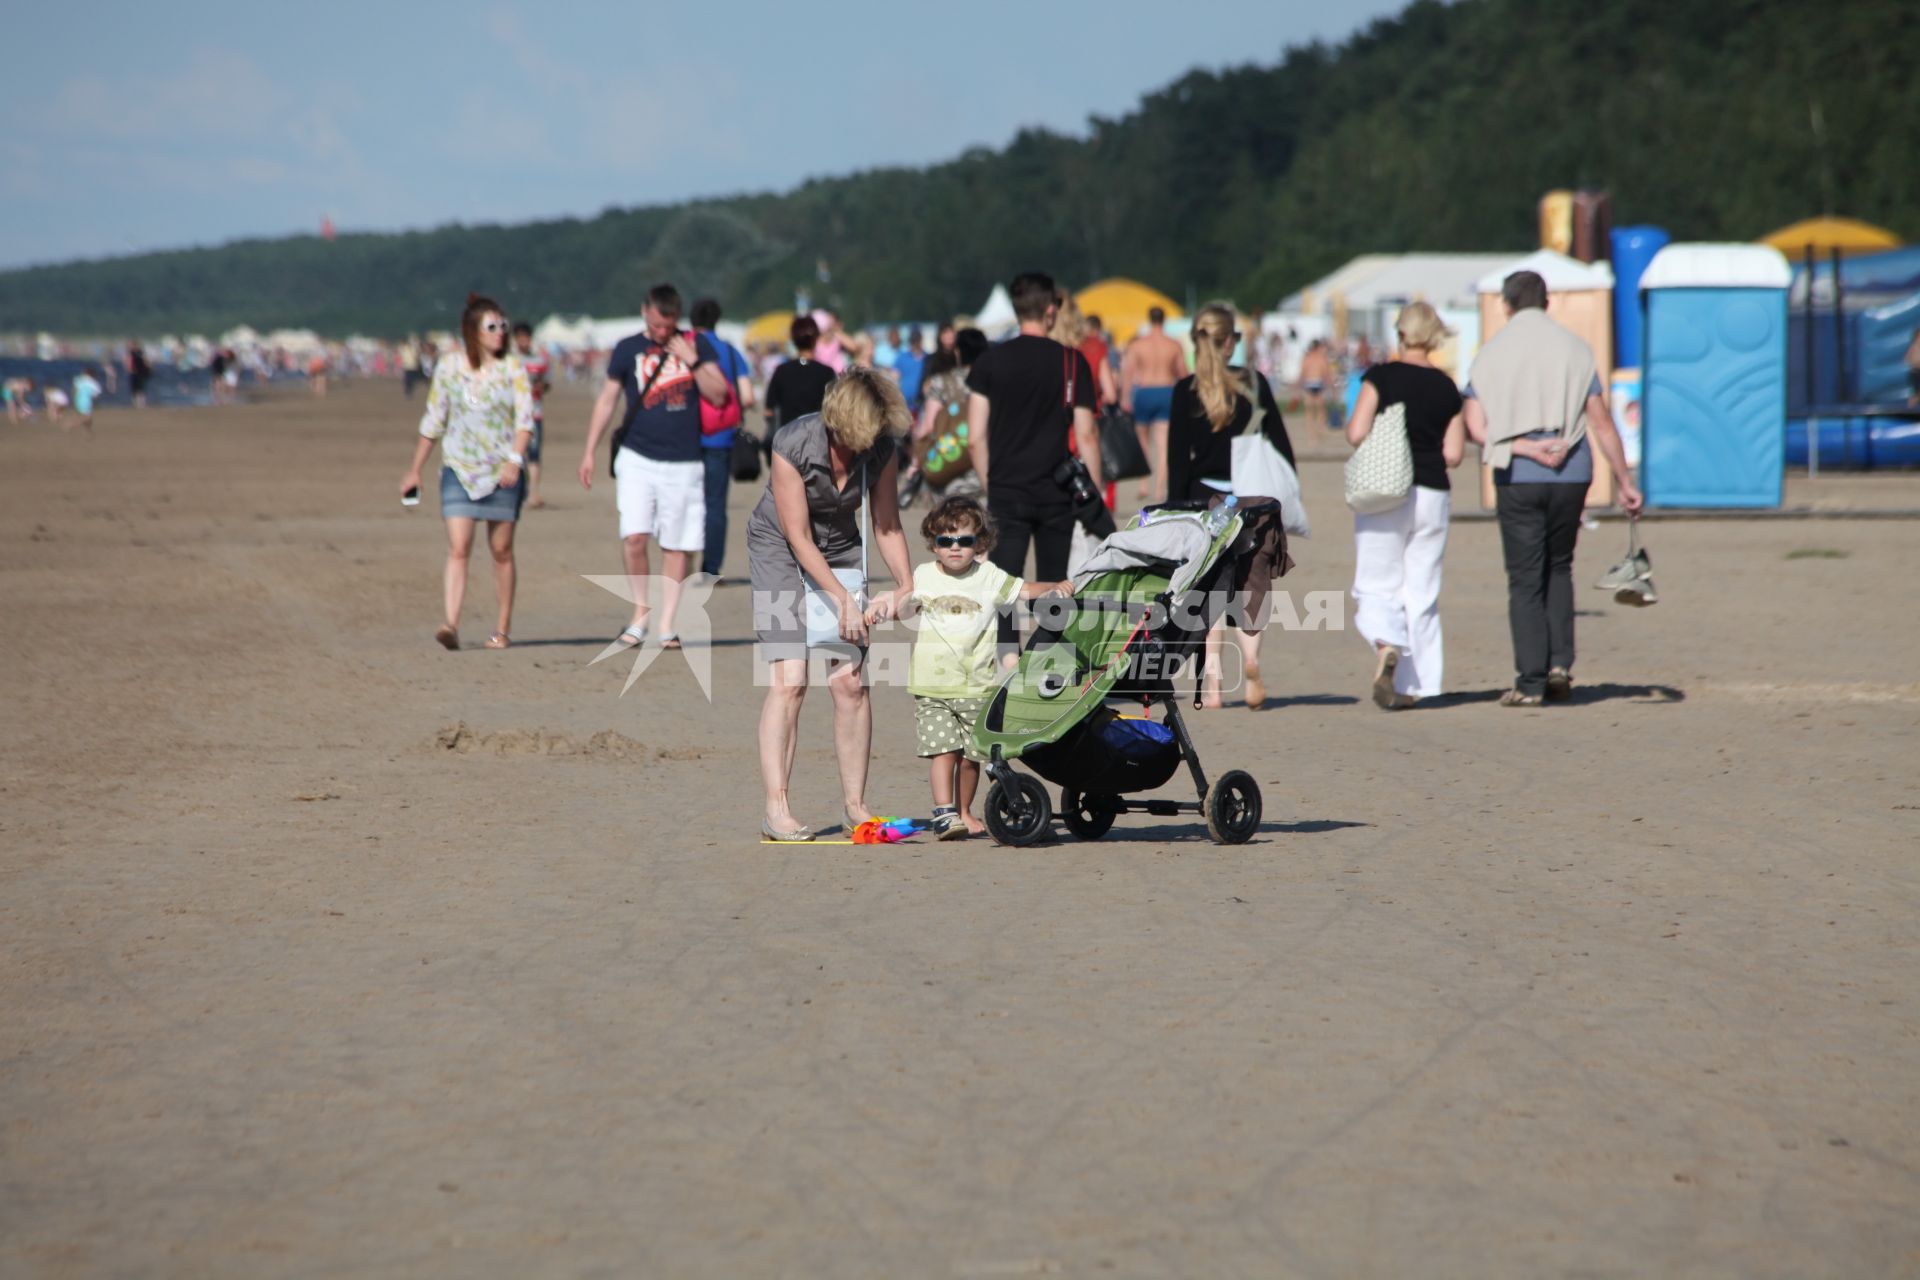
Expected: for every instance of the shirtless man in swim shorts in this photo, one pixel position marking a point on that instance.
(1316, 371)
(1153, 363)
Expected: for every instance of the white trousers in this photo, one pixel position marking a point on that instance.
(1396, 586)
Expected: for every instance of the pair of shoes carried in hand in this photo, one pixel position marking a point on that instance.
(1631, 579)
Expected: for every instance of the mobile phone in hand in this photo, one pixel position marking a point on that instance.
(411, 498)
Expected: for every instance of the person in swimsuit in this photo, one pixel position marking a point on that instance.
(1316, 370)
(15, 392)
(1153, 363)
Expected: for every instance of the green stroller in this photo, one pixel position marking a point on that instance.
(1076, 708)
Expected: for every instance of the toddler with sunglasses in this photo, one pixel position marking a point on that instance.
(963, 598)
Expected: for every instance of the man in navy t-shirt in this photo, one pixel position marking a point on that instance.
(663, 372)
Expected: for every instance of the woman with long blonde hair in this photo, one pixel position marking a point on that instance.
(1212, 405)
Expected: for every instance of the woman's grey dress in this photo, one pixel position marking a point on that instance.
(779, 610)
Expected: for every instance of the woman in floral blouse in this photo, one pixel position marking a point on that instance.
(481, 411)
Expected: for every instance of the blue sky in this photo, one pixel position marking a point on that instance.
(133, 127)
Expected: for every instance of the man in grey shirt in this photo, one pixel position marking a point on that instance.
(1536, 408)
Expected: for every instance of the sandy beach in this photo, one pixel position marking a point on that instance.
(324, 952)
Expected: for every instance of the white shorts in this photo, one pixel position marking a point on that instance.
(665, 499)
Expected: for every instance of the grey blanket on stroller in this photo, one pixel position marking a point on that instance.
(1178, 540)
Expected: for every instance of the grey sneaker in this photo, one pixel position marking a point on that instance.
(949, 825)
(1639, 593)
(1637, 565)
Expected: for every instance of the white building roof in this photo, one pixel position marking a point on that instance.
(1717, 266)
(1376, 280)
(1562, 274)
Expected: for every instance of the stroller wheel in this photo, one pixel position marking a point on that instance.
(1233, 807)
(1018, 812)
(1088, 814)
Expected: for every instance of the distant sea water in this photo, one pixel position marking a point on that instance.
(168, 386)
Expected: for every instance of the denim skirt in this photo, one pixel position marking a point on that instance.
(501, 504)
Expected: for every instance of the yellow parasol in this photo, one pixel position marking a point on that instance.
(770, 328)
(1848, 235)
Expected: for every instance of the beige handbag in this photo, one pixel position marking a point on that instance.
(1380, 472)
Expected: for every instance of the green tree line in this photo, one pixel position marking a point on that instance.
(1436, 129)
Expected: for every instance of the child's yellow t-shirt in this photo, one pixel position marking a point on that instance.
(955, 653)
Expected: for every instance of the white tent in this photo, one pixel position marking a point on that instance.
(602, 335)
(1562, 274)
(1371, 289)
(1317, 297)
(1376, 281)
(296, 341)
(995, 317)
(557, 332)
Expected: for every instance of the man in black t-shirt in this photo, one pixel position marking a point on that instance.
(1029, 395)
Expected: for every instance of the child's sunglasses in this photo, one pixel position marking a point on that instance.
(944, 540)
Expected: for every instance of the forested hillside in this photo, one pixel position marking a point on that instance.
(1437, 129)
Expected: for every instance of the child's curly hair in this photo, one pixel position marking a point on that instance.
(954, 515)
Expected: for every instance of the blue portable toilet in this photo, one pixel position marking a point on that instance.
(1714, 398)
(1633, 249)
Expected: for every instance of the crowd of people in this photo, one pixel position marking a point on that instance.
(1009, 436)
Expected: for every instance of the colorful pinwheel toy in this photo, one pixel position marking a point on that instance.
(887, 830)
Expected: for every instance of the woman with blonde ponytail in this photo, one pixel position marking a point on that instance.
(1212, 405)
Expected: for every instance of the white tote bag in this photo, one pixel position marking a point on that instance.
(1380, 472)
(1262, 471)
(822, 615)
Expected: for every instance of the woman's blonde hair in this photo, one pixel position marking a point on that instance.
(1420, 328)
(861, 404)
(1069, 326)
(858, 346)
(1219, 390)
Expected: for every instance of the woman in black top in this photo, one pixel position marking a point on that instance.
(1397, 553)
(1212, 405)
(798, 386)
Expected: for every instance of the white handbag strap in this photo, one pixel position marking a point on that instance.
(1257, 421)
